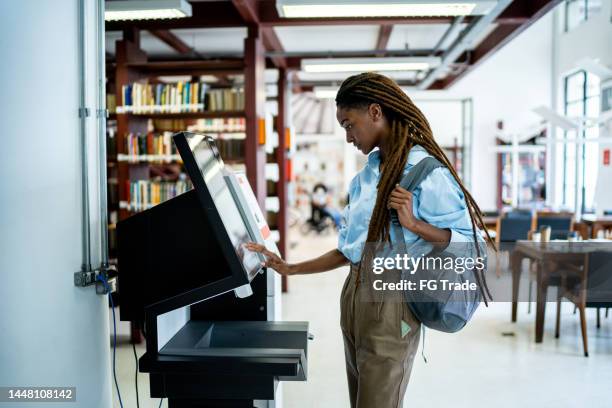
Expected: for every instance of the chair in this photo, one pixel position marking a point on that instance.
(591, 287)
(510, 228)
(560, 223)
(518, 214)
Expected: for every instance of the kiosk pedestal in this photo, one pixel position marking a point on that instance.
(227, 364)
(189, 250)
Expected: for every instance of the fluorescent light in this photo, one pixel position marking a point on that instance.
(146, 9)
(323, 92)
(368, 64)
(383, 8)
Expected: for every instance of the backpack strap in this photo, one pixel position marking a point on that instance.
(411, 181)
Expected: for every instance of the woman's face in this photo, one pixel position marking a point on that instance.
(365, 127)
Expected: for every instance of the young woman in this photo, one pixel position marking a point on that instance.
(381, 339)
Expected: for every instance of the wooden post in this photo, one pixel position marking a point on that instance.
(255, 98)
(127, 52)
(281, 159)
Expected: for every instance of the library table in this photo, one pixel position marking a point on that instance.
(549, 257)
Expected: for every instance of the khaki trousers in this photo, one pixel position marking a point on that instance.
(379, 349)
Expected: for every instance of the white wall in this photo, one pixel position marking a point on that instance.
(445, 118)
(506, 86)
(591, 39)
(52, 333)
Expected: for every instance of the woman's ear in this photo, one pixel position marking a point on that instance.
(375, 112)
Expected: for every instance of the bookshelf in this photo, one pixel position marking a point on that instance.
(141, 174)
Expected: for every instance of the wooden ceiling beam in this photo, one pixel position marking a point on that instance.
(211, 14)
(250, 14)
(514, 24)
(384, 33)
(247, 10)
(272, 43)
(172, 41)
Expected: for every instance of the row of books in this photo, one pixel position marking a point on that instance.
(225, 100)
(179, 97)
(219, 125)
(159, 144)
(149, 158)
(161, 98)
(144, 194)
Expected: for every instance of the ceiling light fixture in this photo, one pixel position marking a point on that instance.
(369, 64)
(383, 8)
(146, 9)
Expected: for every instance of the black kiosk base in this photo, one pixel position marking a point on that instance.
(227, 364)
(181, 253)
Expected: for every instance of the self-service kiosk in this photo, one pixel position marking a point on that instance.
(205, 303)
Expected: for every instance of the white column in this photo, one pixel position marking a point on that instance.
(51, 332)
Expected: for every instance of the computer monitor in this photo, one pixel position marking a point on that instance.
(209, 176)
(189, 248)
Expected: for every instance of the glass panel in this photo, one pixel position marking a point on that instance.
(574, 110)
(592, 107)
(531, 179)
(591, 167)
(593, 83)
(575, 13)
(506, 193)
(593, 7)
(569, 172)
(574, 87)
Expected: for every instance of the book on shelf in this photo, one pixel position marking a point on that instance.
(159, 144)
(219, 125)
(178, 97)
(149, 158)
(230, 99)
(144, 194)
(143, 97)
(111, 103)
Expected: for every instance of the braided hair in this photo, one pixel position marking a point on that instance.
(408, 128)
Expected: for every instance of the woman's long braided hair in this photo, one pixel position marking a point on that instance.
(408, 128)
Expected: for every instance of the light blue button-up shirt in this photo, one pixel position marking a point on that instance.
(438, 200)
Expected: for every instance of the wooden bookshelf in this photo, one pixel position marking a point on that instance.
(189, 115)
(131, 65)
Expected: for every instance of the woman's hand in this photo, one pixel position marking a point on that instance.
(401, 201)
(272, 260)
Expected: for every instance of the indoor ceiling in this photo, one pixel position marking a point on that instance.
(217, 29)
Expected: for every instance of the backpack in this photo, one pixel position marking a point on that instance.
(446, 311)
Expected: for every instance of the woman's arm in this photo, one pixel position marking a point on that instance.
(326, 262)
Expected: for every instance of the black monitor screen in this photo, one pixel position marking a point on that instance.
(212, 169)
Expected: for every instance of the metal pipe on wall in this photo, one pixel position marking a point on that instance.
(101, 119)
(83, 114)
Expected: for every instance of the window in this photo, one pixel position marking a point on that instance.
(578, 11)
(581, 100)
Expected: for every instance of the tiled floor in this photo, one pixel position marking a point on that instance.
(478, 367)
